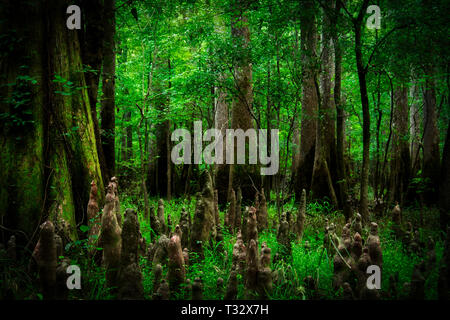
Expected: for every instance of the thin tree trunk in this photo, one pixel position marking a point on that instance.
(321, 182)
(400, 163)
(379, 118)
(362, 72)
(91, 39)
(168, 144)
(340, 118)
(143, 167)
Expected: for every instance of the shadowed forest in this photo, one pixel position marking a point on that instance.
(354, 95)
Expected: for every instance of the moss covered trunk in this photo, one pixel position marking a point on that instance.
(49, 150)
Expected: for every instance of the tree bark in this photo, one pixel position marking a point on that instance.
(245, 175)
(431, 155)
(157, 182)
(50, 158)
(91, 40)
(108, 86)
(340, 117)
(221, 123)
(321, 182)
(309, 98)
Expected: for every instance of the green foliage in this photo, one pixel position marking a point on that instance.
(20, 112)
(313, 261)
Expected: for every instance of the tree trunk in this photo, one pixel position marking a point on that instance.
(295, 150)
(50, 157)
(108, 86)
(362, 72)
(401, 161)
(379, 118)
(430, 140)
(244, 175)
(168, 143)
(123, 140)
(309, 98)
(157, 181)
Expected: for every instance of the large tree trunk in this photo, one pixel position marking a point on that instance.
(400, 161)
(108, 114)
(430, 140)
(340, 117)
(414, 125)
(296, 128)
(362, 72)
(91, 40)
(127, 137)
(157, 181)
(295, 150)
(129, 131)
(168, 142)
(244, 175)
(49, 157)
(309, 98)
(321, 182)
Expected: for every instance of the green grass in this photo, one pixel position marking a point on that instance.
(314, 261)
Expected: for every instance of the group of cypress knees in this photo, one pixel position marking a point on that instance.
(123, 244)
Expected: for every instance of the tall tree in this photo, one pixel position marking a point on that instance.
(322, 182)
(340, 112)
(108, 114)
(362, 74)
(414, 124)
(246, 176)
(91, 42)
(49, 156)
(401, 160)
(309, 97)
